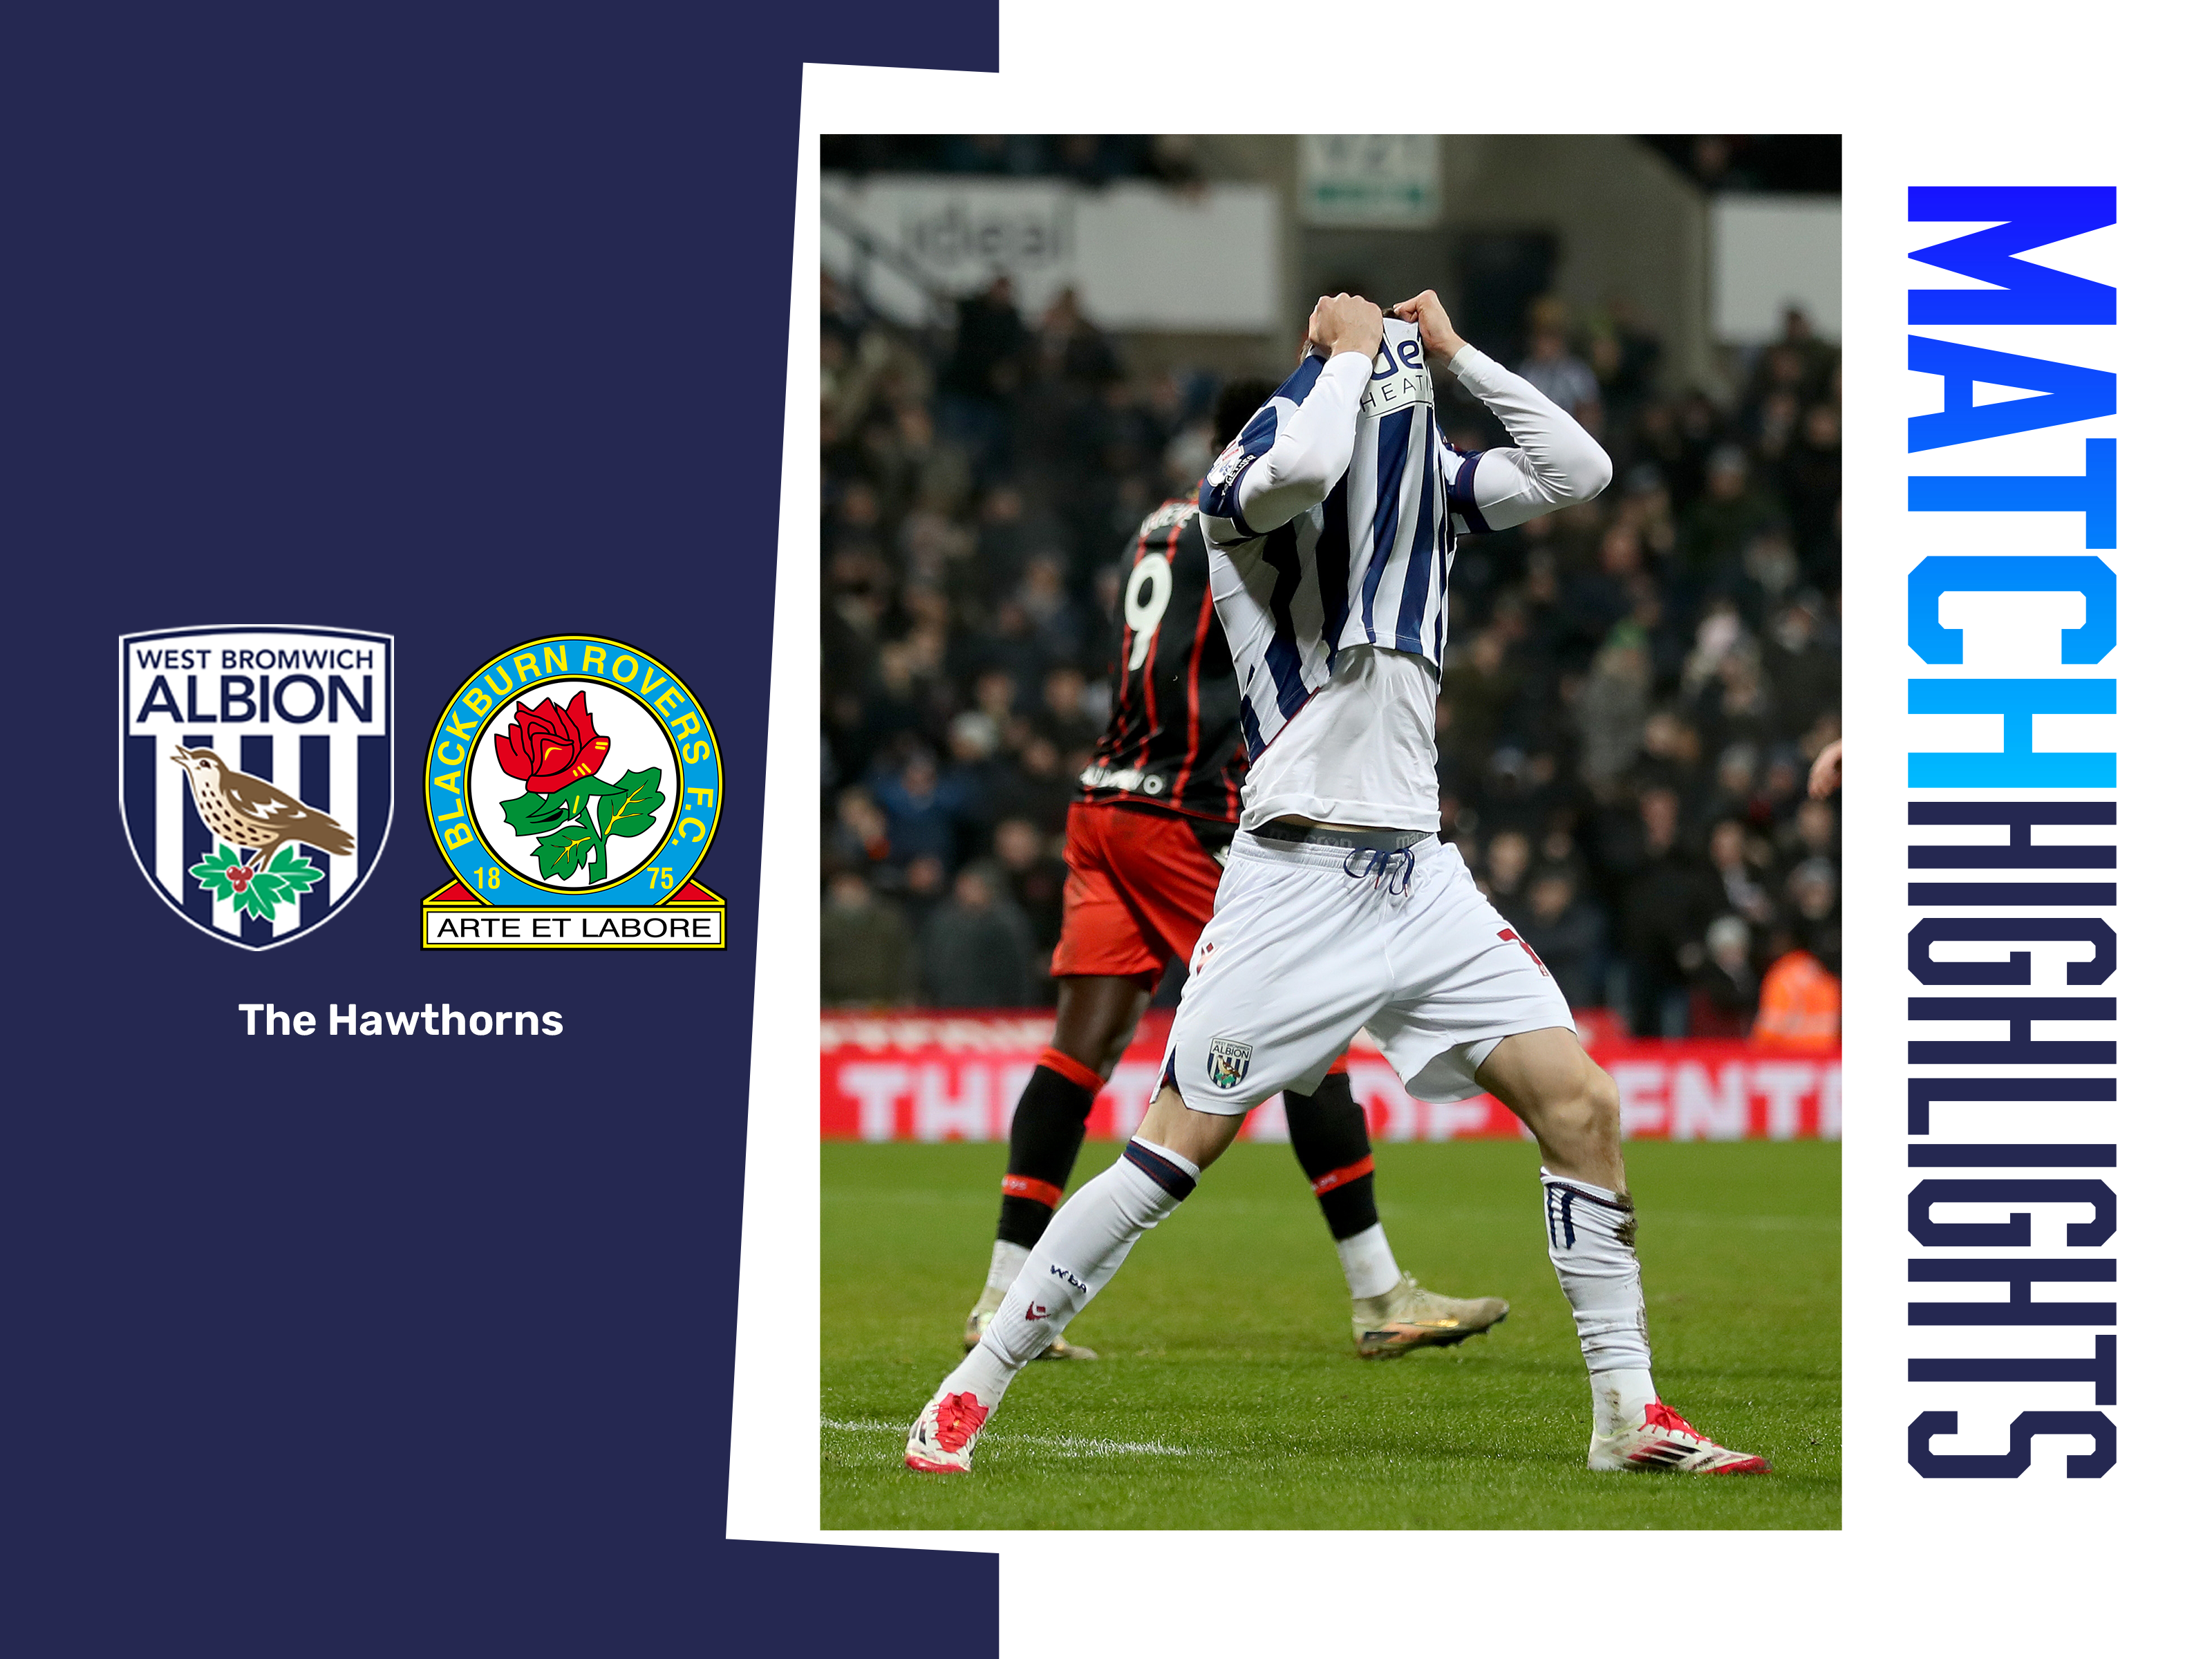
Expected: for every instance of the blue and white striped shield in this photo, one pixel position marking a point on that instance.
(255, 772)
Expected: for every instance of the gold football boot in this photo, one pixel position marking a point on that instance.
(1405, 1318)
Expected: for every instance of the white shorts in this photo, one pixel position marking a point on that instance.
(1311, 942)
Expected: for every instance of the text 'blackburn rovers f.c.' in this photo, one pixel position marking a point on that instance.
(255, 772)
(574, 785)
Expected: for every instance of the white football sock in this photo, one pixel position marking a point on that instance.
(1370, 1269)
(1591, 1233)
(1006, 1259)
(1618, 1399)
(1090, 1236)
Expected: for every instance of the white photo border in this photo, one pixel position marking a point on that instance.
(2037, 95)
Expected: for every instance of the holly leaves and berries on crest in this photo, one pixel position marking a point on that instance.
(227, 874)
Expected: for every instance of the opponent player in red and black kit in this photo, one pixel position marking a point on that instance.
(1153, 812)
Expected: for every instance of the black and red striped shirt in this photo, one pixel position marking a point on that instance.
(1173, 742)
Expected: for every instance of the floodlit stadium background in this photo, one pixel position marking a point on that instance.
(1021, 338)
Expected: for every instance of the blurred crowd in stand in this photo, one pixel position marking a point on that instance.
(1633, 693)
(1767, 163)
(1087, 158)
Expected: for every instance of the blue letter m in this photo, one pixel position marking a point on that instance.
(2028, 217)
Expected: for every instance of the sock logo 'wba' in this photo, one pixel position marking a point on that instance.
(1058, 1271)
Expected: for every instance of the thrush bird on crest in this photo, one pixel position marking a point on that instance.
(253, 814)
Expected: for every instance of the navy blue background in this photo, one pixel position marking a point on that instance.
(467, 324)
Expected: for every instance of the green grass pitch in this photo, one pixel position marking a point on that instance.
(1228, 1395)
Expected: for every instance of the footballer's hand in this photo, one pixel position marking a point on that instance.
(1828, 772)
(1437, 339)
(1344, 322)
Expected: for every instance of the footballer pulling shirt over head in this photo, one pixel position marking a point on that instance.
(1153, 819)
(1327, 526)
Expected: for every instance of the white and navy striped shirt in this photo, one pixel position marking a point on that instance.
(1368, 565)
(1329, 526)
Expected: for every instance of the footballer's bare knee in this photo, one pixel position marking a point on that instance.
(1597, 1151)
(1566, 1099)
(1097, 1019)
(1598, 1105)
(1578, 1126)
(1201, 1137)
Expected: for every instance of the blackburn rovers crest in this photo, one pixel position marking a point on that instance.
(574, 785)
(256, 773)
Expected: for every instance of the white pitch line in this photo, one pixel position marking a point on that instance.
(1067, 1445)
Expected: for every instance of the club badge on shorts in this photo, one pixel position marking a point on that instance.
(574, 786)
(1227, 1062)
(255, 772)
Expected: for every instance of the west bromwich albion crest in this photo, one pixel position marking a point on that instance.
(1226, 1063)
(255, 772)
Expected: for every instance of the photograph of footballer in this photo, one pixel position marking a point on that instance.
(1450, 761)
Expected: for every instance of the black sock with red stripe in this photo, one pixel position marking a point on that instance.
(1328, 1132)
(1046, 1135)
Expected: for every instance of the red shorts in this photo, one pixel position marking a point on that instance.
(1140, 891)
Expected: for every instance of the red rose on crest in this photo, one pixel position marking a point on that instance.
(550, 747)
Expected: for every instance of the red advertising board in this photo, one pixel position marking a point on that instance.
(940, 1076)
